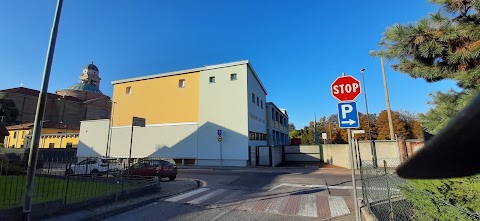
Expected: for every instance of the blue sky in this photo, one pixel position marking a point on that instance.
(296, 47)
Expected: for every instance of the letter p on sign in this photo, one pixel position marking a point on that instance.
(346, 109)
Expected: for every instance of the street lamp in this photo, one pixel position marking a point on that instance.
(389, 112)
(109, 136)
(372, 147)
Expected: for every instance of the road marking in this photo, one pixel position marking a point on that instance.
(186, 195)
(312, 186)
(308, 206)
(337, 205)
(228, 199)
(220, 215)
(206, 196)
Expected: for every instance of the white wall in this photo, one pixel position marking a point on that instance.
(169, 140)
(277, 154)
(223, 107)
(256, 115)
(338, 154)
(93, 138)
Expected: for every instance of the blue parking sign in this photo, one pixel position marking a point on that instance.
(348, 115)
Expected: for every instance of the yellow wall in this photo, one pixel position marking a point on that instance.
(18, 141)
(159, 100)
(22, 134)
(56, 141)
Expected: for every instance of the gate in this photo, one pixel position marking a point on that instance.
(264, 156)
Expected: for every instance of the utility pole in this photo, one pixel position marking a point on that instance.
(37, 128)
(389, 111)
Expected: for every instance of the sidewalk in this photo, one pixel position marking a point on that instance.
(168, 189)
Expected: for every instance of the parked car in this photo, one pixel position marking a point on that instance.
(153, 167)
(95, 166)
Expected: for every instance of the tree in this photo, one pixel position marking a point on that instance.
(305, 138)
(364, 126)
(413, 126)
(8, 111)
(445, 45)
(383, 129)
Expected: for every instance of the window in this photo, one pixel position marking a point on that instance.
(233, 76)
(128, 90)
(276, 116)
(273, 114)
(212, 80)
(253, 97)
(181, 83)
(69, 145)
(51, 145)
(14, 134)
(258, 101)
(261, 104)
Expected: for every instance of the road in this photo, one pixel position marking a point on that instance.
(255, 194)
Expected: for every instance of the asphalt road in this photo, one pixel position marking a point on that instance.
(255, 194)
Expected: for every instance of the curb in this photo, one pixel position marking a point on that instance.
(106, 214)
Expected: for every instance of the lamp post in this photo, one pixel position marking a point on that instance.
(42, 101)
(389, 112)
(372, 147)
(109, 137)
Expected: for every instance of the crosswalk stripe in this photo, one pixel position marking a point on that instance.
(308, 206)
(337, 205)
(206, 196)
(186, 195)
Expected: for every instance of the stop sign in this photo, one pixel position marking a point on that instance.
(346, 88)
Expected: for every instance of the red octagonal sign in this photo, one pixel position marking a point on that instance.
(346, 88)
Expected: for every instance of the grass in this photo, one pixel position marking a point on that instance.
(48, 189)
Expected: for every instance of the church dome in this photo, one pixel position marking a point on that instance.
(91, 67)
(84, 87)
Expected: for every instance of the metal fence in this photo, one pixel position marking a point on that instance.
(70, 180)
(390, 197)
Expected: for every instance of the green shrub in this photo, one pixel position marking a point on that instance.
(446, 199)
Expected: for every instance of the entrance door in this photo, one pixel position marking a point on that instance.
(264, 158)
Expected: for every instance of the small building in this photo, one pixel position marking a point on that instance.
(277, 125)
(53, 135)
(203, 116)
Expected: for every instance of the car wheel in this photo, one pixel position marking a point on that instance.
(68, 172)
(95, 173)
(172, 178)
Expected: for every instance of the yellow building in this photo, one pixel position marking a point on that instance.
(53, 135)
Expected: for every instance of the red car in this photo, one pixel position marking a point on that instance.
(150, 167)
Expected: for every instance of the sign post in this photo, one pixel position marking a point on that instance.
(220, 138)
(136, 121)
(346, 89)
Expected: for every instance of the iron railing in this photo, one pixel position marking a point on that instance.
(69, 180)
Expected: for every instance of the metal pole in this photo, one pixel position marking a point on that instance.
(374, 157)
(131, 141)
(389, 112)
(42, 101)
(107, 152)
(354, 183)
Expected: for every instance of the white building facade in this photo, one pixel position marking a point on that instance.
(228, 100)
